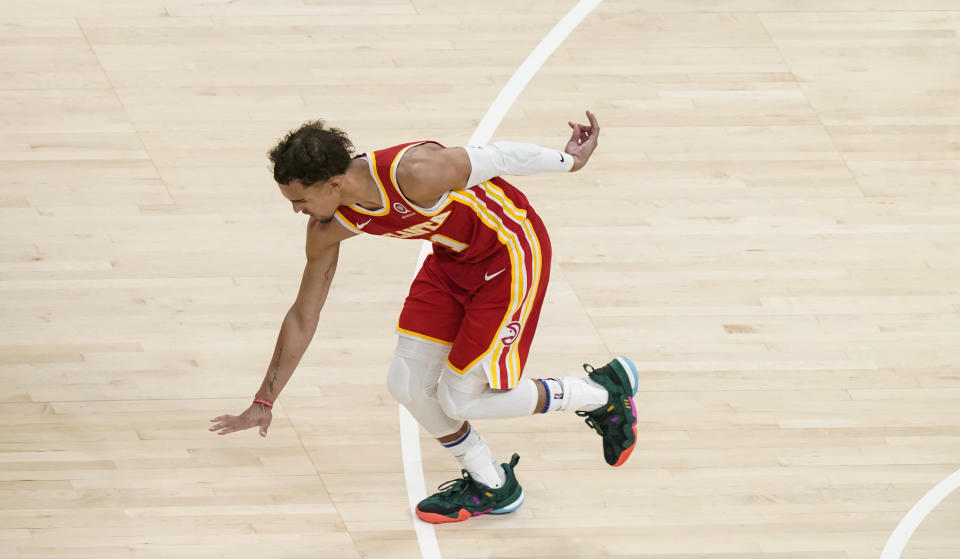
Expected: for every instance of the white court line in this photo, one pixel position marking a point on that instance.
(901, 535)
(409, 429)
(416, 486)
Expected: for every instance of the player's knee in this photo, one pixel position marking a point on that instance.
(448, 401)
(414, 370)
(398, 381)
(458, 393)
(453, 402)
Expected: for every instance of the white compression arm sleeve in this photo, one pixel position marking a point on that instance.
(514, 158)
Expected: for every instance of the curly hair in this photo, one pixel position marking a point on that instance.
(311, 154)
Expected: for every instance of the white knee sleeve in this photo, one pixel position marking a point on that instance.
(412, 380)
(415, 368)
(468, 396)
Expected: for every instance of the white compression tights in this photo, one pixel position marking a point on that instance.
(412, 379)
(441, 409)
(468, 396)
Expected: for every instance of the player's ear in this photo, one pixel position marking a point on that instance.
(335, 182)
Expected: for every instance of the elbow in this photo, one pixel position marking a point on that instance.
(304, 317)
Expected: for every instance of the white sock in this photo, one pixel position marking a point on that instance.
(574, 393)
(474, 455)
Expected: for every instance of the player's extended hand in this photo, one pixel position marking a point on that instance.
(583, 141)
(253, 416)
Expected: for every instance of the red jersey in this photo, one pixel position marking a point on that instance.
(482, 289)
(466, 225)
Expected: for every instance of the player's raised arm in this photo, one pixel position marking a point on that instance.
(429, 170)
(296, 332)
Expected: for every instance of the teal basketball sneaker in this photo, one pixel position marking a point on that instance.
(616, 421)
(463, 498)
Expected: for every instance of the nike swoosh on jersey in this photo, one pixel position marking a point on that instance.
(489, 277)
(364, 224)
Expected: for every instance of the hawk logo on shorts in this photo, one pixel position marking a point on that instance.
(510, 333)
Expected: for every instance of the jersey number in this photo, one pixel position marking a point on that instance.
(455, 246)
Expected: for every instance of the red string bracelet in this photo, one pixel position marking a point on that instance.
(263, 402)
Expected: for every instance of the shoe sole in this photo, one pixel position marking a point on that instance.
(511, 507)
(434, 518)
(629, 450)
(630, 370)
(464, 514)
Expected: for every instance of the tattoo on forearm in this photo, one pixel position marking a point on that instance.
(276, 370)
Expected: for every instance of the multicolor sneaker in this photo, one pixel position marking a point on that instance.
(460, 499)
(616, 421)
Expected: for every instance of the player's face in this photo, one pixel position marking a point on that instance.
(319, 201)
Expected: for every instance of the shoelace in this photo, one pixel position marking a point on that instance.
(591, 422)
(587, 418)
(456, 486)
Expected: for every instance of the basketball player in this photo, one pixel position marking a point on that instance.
(468, 321)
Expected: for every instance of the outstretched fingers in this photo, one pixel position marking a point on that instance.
(223, 422)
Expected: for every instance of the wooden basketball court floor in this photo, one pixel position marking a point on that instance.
(770, 228)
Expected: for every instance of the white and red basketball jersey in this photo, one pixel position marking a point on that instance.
(482, 289)
(467, 225)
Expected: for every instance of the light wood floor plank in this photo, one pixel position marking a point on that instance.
(770, 229)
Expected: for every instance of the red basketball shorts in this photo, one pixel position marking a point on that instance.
(487, 311)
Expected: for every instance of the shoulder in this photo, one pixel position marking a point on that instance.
(429, 169)
(418, 157)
